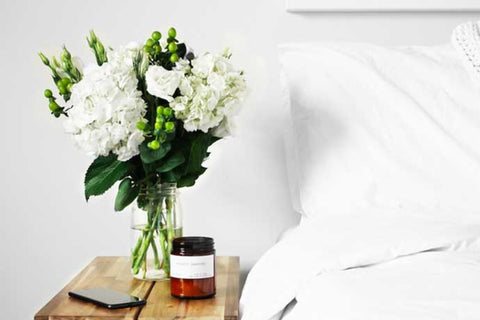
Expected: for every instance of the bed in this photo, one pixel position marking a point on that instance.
(384, 167)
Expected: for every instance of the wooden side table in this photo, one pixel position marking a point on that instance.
(114, 273)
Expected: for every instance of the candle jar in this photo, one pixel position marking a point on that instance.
(192, 267)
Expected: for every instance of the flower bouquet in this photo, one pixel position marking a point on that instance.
(148, 114)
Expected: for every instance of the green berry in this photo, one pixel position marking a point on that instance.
(141, 125)
(174, 58)
(158, 125)
(48, 93)
(62, 89)
(69, 87)
(167, 112)
(65, 81)
(172, 33)
(172, 47)
(53, 106)
(157, 48)
(159, 110)
(154, 145)
(156, 35)
(149, 43)
(169, 126)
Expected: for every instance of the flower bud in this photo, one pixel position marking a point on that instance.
(44, 59)
(65, 55)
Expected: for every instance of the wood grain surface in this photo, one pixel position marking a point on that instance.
(162, 306)
(114, 273)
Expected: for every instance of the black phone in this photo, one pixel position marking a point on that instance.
(107, 298)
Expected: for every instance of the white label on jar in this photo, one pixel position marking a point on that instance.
(192, 267)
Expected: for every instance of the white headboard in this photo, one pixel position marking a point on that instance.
(382, 5)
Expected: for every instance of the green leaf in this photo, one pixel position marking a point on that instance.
(127, 192)
(214, 139)
(189, 180)
(198, 153)
(181, 50)
(172, 162)
(149, 156)
(102, 174)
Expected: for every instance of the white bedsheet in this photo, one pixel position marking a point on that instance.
(317, 264)
(440, 285)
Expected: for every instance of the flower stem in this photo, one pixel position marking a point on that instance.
(156, 259)
(166, 257)
(146, 243)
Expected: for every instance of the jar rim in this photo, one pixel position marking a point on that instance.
(193, 244)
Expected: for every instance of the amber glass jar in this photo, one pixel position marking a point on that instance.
(192, 267)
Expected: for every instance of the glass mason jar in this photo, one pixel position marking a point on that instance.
(156, 221)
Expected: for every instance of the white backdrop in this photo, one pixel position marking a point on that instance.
(48, 232)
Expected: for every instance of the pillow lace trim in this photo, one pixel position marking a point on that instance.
(466, 39)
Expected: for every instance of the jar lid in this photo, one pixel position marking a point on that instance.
(193, 244)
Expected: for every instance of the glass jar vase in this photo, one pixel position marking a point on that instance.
(156, 221)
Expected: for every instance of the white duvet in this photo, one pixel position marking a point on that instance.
(370, 266)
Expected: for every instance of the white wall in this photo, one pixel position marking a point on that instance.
(48, 232)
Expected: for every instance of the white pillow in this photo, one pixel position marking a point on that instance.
(395, 129)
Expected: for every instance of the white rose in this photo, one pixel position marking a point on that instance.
(161, 82)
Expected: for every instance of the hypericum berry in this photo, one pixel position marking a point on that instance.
(149, 43)
(157, 48)
(159, 110)
(69, 87)
(156, 35)
(65, 81)
(158, 125)
(141, 125)
(154, 145)
(53, 106)
(169, 126)
(172, 47)
(172, 33)
(48, 93)
(174, 57)
(62, 89)
(167, 112)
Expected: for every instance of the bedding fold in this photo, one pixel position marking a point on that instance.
(328, 244)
